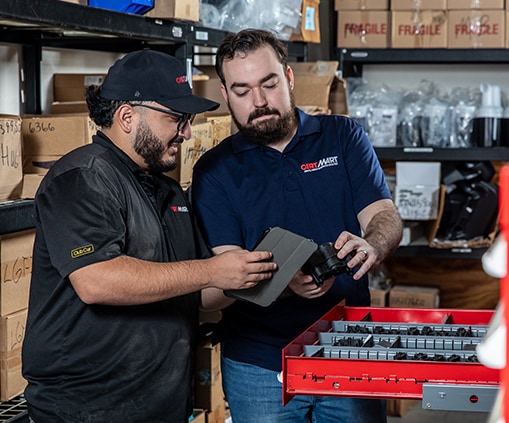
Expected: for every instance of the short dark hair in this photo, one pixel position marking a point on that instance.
(245, 41)
(101, 110)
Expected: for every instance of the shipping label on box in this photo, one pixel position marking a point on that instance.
(11, 163)
(361, 5)
(474, 4)
(363, 29)
(407, 296)
(476, 29)
(16, 261)
(419, 29)
(12, 334)
(220, 127)
(417, 190)
(418, 5)
(309, 28)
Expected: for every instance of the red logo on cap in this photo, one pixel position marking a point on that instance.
(181, 79)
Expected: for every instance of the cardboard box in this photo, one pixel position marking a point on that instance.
(190, 151)
(47, 138)
(363, 29)
(221, 127)
(188, 10)
(31, 182)
(210, 87)
(418, 4)
(12, 334)
(412, 231)
(309, 28)
(199, 416)
(62, 107)
(475, 4)
(379, 296)
(398, 408)
(11, 170)
(338, 99)
(422, 29)
(72, 86)
(409, 296)
(361, 4)
(16, 260)
(417, 190)
(208, 363)
(313, 82)
(218, 414)
(476, 29)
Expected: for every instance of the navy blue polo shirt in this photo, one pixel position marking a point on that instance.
(316, 187)
(108, 363)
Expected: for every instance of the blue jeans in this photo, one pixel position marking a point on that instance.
(254, 395)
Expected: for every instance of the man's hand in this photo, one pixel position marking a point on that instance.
(240, 269)
(304, 286)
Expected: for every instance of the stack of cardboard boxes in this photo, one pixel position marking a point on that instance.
(16, 262)
(451, 24)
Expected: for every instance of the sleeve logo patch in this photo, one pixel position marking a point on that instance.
(82, 251)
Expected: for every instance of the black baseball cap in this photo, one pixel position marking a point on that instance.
(149, 75)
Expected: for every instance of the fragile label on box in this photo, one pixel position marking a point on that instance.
(363, 29)
(476, 29)
(419, 29)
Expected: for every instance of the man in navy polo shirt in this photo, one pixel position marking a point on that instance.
(316, 176)
(114, 294)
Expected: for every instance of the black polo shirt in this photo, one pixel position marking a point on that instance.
(103, 363)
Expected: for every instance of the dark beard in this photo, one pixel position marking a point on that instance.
(270, 131)
(150, 148)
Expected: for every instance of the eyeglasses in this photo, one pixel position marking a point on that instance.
(183, 118)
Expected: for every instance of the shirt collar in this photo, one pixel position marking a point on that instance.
(102, 139)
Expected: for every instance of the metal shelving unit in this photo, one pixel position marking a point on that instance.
(36, 24)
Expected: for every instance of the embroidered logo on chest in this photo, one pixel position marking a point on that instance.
(179, 209)
(319, 165)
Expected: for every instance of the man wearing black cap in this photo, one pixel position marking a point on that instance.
(118, 261)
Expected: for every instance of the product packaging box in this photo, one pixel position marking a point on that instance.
(419, 29)
(363, 29)
(12, 333)
(199, 416)
(11, 162)
(379, 296)
(412, 231)
(410, 296)
(309, 28)
(208, 382)
(474, 4)
(190, 151)
(417, 190)
(313, 82)
(476, 29)
(47, 138)
(31, 182)
(361, 5)
(209, 86)
(16, 260)
(72, 86)
(418, 4)
(188, 10)
(138, 7)
(398, 408)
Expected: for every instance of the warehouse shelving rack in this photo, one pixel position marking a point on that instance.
(36, 24)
